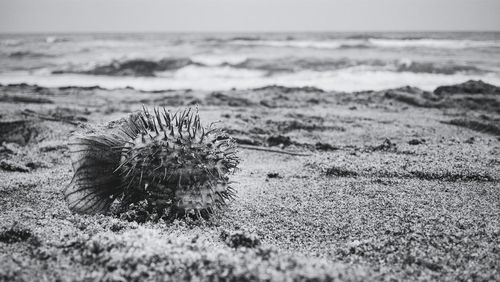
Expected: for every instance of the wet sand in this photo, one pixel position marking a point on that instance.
(398, 184)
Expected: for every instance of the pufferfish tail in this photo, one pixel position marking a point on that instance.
(95, 183)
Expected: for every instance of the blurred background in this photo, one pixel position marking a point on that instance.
(219, 45)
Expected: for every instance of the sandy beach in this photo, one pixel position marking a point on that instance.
(399, 184)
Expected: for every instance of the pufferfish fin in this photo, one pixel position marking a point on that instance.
(95, 183)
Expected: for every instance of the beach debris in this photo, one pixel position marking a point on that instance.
(387, 145)
(470, 95)
(258, 148)
(24, 99)
(19, 131)
(320, 146)
(169, 161)
(416, 141)
(239, 238)
(218, 98)
(470, 140)
(286, 90)
(14, 234)
(279, 140)
(10, 148)
(244, 140)
(72, 114)
(340, 172)
(469, 87)
(269, 103)
(35, 164)
(476, 125)
(274, 175)
(413, 96)
(55, 117)
(49, 146)
(13, 166)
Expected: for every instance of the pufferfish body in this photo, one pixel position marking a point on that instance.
(170, 160)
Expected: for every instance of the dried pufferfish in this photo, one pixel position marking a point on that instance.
(170, 160)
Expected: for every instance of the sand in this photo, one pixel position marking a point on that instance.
(392, 185)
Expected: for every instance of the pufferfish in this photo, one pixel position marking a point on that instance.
(169, 160)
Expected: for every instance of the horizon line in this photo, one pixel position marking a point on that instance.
(247, 31)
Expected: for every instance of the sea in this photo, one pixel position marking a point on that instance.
(332, 61)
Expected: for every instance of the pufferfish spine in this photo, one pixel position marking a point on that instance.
(170, 160)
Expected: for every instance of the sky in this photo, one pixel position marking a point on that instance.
(35, 16)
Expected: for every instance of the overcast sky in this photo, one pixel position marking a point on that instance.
(247, 15)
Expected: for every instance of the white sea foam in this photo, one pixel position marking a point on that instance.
(433, 43)
(10, 42)
(227, 72)
(50, 39)
(218, 59)
(368, 62)
(224, 78)
(373, 42)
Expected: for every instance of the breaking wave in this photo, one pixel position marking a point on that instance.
(225, 78)
(135, 67)
(165, 67)
(316, 64)
(331, 61)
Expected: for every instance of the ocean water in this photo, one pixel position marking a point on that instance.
(330, 61)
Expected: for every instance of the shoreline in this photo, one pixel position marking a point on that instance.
(341, 80)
